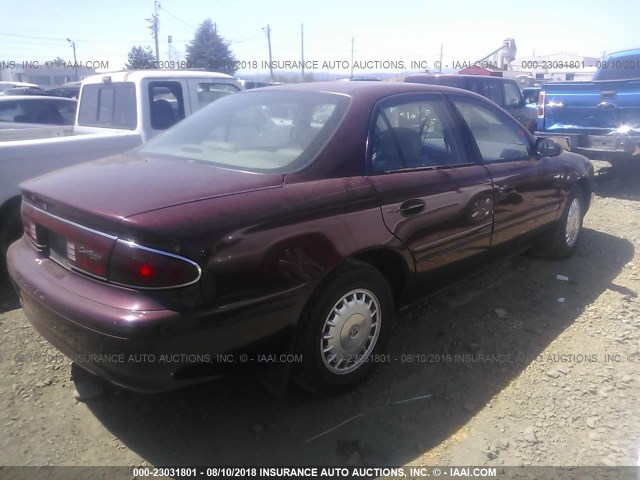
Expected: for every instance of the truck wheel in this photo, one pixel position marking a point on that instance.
(10, 230)
(562, 240)
(344, 326)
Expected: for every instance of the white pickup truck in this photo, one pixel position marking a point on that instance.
(116, 112)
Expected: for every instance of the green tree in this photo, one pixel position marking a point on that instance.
(209, 50)
(140, 58)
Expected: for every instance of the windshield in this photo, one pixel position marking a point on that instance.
(259, 131)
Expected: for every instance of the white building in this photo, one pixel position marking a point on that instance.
(562, 66)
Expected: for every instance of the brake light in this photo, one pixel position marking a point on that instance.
(541, 99)
(136, 266)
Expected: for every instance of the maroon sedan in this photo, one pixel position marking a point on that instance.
(300, 216)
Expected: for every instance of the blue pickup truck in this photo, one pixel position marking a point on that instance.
(598, 119)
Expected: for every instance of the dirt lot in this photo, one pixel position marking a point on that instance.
(514, 367)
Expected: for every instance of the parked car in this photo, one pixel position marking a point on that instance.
(116, 112)
(359, 79)
(503, 91)
(7, 85)
(36, 109)
(22, 90)
(68, 90)
(263, 218)
(598, 119)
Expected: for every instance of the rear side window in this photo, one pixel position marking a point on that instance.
(414, 133)
(110, 105)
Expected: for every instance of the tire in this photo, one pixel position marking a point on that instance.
(562, 240)
(331, 364)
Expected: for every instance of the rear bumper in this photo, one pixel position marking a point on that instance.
(144, 350)
(597, 147)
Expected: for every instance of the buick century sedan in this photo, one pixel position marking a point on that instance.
(302, 216)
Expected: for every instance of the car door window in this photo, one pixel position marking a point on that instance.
(9, 111)
(414, 134)
(497, 136)
(493, 91)
(167, 104)
(67, 111)
(512, 96)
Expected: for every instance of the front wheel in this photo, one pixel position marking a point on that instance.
(562, 241)
(344, 326)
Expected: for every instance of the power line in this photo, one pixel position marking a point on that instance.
(33, 36)
(176, 18)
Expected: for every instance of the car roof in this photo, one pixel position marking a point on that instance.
(34, 97)
(624, 53)
(418, 76)
(372, 90)
(366, 93)
(133, 75)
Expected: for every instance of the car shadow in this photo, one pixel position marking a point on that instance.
(435, 378)
(618, 180)
(8, 297)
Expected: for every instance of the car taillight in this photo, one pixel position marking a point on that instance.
(541, 98)
(136, 266)
(83, 250)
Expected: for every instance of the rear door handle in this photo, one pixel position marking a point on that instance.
(411, 207)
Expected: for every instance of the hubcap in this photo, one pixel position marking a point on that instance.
(350, 331)
(573, 223)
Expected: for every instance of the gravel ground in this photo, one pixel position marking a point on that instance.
(515, 366)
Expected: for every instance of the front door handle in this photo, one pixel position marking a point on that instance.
(411, 207)
(505, 189)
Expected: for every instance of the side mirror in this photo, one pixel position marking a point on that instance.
(547, 147)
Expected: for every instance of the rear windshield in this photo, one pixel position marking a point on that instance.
(109, 105)
(258, 131)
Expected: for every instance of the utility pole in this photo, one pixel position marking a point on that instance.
(270, 57)
(440, 69)
(169, 40)
(154, 27)
(352, 43)
(302, 48)
(75, 63)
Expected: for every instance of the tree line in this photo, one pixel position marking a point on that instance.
(207, 51)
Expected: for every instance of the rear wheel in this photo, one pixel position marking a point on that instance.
(344, 326)
(562, 240)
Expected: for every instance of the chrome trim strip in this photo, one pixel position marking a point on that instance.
(74, 224)
(129, 243)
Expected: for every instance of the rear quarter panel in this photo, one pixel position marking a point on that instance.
(255, 244)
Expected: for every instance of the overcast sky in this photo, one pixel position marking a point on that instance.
(391, 31)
